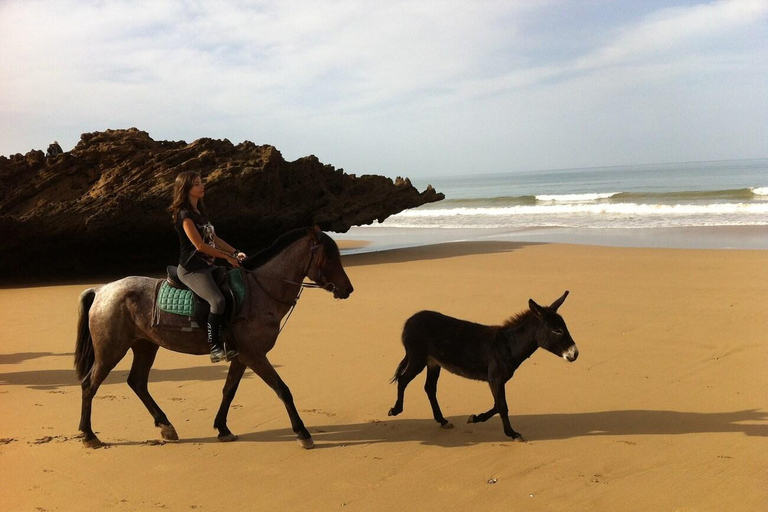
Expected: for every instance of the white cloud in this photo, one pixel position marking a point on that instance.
(370, 86)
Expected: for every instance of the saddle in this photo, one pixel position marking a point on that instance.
(179, 308)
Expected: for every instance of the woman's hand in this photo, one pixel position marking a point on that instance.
(233, 261)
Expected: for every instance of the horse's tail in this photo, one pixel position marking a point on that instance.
(84, 355)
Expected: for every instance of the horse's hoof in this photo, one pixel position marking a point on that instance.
(472, 419)
(518, 438)
(394, 412)
(93, 443)
(227, 438)
(168, 433)
(307, 444)
(447, 425)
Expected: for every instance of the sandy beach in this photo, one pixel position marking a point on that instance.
(666, 408)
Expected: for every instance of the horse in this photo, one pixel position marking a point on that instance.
(118, 316)
(480, 352)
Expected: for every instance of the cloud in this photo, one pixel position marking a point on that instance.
(369, 85)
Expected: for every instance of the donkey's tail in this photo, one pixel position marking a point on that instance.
(84, 355)
(400, 369)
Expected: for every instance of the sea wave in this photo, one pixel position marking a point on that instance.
(597, 209)
(600, 215)
(574, 198)
(746, 195)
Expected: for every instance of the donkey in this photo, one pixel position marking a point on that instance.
(480, 352)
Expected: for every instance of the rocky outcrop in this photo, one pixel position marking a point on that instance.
(102, 207)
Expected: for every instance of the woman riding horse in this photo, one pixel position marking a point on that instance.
(199, 248)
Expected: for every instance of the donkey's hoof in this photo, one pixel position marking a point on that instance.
(447, 425)
(307, 444)
(168, 433)
(518, 438)
(227, 438)
(94, 443)
(472, 419)
(394, 412)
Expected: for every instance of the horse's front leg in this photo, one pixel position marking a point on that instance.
(236, 370)
(500, 404)
(264, 369)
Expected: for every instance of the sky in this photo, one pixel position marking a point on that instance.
(412, 88)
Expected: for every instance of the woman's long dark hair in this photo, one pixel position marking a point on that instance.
(181, 188)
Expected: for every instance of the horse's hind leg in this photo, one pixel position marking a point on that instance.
(236, 370)
(144, 353)
(90, 385)
(433, 373)
(409, 368)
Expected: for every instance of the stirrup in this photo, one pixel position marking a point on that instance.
(217, 354)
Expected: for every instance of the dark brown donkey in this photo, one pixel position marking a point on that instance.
(118, 316)
(480, 352)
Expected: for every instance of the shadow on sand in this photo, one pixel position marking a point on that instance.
(20, 357)
(544, 427)
(54, 379)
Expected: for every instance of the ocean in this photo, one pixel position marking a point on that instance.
(722, 204)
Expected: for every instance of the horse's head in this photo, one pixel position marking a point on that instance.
(552, 333)
(325, 267)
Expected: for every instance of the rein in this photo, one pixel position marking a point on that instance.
(327, 286)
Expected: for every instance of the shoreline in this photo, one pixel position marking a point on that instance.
(381, 238)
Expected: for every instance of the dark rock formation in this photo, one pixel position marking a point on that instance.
(102, 207)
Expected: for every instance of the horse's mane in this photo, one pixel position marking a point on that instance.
(278, 246)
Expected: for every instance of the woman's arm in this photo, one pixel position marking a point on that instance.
(231, 250)
(197, 241)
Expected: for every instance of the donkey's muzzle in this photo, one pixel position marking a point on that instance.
(571, 354)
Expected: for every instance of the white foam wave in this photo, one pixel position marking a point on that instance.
(760, 191)
(595, 215)
(595, 209)
(569, 198)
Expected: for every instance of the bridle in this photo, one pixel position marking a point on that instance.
(322, 282)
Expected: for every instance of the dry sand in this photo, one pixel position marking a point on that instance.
(666, 408)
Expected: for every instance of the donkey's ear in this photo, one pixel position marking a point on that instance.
(538, 310)
(558, 302)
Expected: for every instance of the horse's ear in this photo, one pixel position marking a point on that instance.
(314, 232)
(558, 302)
(538, 310)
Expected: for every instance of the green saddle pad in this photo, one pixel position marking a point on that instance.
(182, 302)
(176, 301)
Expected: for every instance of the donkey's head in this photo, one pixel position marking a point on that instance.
(552, 333)
(325, 266)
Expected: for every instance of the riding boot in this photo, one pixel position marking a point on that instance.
(214, 337)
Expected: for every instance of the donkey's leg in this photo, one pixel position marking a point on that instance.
(264, 369)
(144, 352)
(500, 400)
(236, 370)
(433, 373)
(90, 386)
(414, 366)
(485, 416)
